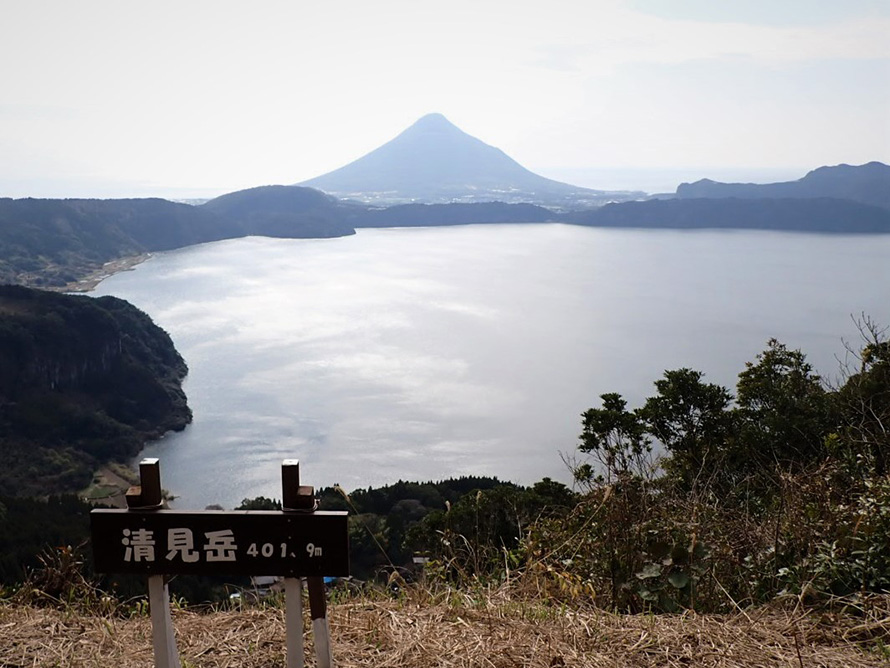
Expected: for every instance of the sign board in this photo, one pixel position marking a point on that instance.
(240, 542)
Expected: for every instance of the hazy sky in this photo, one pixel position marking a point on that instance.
(179, 99)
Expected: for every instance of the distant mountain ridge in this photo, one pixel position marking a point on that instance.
(282, 211)
(54, 243)
(51, 242)
(867, 184)
(435, 162)
(821, 215)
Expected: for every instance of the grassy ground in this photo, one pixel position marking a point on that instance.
(458, 630)
(110, 484)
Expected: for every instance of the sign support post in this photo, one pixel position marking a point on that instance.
(147, 496)
(293, 587)
(321, 629)
(298, 498)
(293, 621)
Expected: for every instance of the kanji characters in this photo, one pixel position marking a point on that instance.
(182, 542)
(220, 545)
(140, 545)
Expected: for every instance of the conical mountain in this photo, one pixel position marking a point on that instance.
(435, 161)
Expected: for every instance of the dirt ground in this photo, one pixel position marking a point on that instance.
(467, 633)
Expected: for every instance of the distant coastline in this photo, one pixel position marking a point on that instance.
(71, 245)
(91, 280)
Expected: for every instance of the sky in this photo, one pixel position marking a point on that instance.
(108, 98)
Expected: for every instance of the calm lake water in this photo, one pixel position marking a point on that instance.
(421, 354)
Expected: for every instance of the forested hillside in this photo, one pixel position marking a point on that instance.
(50, 243)
(867, 184)
(283, 211)
(82, 381)
(823, 215)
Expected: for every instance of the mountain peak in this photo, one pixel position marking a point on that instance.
(434, 161)
(433, 125)
(433, 120)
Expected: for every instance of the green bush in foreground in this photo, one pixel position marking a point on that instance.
(780, 490)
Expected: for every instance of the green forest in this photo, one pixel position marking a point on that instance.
(83, 381)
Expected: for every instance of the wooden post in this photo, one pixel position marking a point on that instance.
(293, 587)
(290, 484)
(150, 481)
(163, 640)
(295, 496)
(301, 498)
(148, 495)
(293, 621)
(321, 630)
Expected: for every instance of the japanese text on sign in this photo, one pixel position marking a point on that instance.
(248, 542)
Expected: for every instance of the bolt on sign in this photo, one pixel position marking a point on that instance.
(240, 542)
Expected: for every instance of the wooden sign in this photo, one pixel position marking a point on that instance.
(239, 542)
(296, 542)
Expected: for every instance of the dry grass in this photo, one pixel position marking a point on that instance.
(494, 631)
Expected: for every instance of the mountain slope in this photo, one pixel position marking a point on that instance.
(51, 242)
(282, 211)
(434, 161)
(824, 215)
(83, 381)
(867, 184)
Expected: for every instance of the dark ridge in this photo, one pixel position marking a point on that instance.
(792, 215)
(83, 381)
(50, 243)
(282, 211)
(867, 184)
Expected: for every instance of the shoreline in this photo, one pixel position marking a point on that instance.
(109, 486)
(92, 279)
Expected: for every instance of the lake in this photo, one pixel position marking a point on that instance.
(426, 353)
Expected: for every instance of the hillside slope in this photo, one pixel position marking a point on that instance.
(824, 215)
(282, 211)
(867, 184)
(51, 242)
(83, 381)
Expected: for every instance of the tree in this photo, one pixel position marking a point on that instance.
(617, 438)
(785, 412)
(692, 420)
(259, 503)
(477, 533)
(864, 402)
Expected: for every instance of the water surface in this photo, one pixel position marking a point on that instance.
(435, 352)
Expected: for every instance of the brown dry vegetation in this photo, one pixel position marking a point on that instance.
(458, 629)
